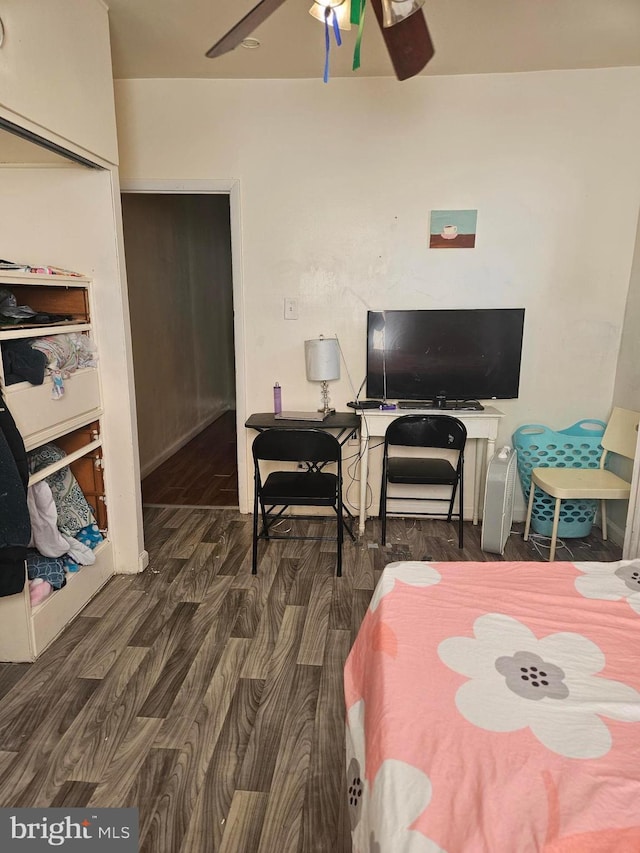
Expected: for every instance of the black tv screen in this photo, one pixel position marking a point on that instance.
(463, 354)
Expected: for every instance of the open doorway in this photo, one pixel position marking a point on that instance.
(179, 271)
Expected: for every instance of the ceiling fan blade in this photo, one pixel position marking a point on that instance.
(408, 42)
(244, 27)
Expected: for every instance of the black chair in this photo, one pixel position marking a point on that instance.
(312, 486)
(432, 431)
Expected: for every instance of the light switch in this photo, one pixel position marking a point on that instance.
(290, 309)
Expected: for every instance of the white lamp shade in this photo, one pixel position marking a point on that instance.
(322, 359)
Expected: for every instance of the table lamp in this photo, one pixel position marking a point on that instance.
(322, 359)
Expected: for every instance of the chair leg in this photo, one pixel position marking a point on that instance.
(383, 504)
(554, 532)
(254, 553)
(527, 525)
(265, 523)
(451, 501)
(340, 539)
(461, 511)
(348, 527)
(603, 513)
(349, 530)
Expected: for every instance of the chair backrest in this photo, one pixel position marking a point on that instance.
(621, 434)
(295, 445)
(441, 431)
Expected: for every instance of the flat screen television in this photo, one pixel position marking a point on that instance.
(458, 354)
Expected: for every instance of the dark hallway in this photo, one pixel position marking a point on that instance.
(202, 473)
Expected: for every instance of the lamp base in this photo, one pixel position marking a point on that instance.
(325, 407)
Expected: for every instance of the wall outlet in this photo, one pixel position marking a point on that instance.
(353, 438)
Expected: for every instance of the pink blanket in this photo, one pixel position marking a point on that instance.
(494, 708)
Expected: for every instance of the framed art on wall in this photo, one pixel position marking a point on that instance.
(453, 229)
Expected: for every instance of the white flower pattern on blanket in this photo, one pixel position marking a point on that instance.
(550, 685)
(412, 573)
(368, 805)
(611, 581)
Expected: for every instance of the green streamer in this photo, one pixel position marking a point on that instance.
(357, 17)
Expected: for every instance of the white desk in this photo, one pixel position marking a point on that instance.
(481, 426)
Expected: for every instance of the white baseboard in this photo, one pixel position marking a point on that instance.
(168, 452)
(615, 533)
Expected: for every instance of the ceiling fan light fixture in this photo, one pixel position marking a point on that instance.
(341, 9)
(394, 11)
(250, 43)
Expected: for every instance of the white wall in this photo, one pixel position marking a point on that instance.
(336, 185)
(178, 254)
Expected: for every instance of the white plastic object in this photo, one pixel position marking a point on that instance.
(498, 501)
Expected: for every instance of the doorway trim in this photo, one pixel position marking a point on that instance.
(230, 187)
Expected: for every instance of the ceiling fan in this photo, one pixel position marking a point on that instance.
(405, 33)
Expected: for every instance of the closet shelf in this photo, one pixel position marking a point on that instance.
(64, 462)
(48, 381)
(50, 617)
(39, 416)
(14, 277)
(62, 428)
(10, 333)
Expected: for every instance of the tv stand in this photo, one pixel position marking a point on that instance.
(482, 428)
(442, 405)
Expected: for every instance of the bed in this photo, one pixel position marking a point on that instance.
(495, 708)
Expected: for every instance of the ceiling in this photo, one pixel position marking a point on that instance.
(169, 38)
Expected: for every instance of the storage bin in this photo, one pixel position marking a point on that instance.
(577, 446)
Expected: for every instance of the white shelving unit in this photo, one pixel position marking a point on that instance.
(60, 205)
(74, 423)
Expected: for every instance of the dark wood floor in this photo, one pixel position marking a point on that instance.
(202, 473)
(206, 697)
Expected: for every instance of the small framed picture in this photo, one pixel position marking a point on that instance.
(453, 229)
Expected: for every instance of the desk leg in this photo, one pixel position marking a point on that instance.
(477, 479)
(364, 474)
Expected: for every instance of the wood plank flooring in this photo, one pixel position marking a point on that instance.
(202, 473)
(206, 697)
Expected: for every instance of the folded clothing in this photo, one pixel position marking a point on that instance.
(22, 363)
(74, 512)
(66, 352)
(12, 265)
(90, 536)
(45, 536)
(39, 589)
(50, 569)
